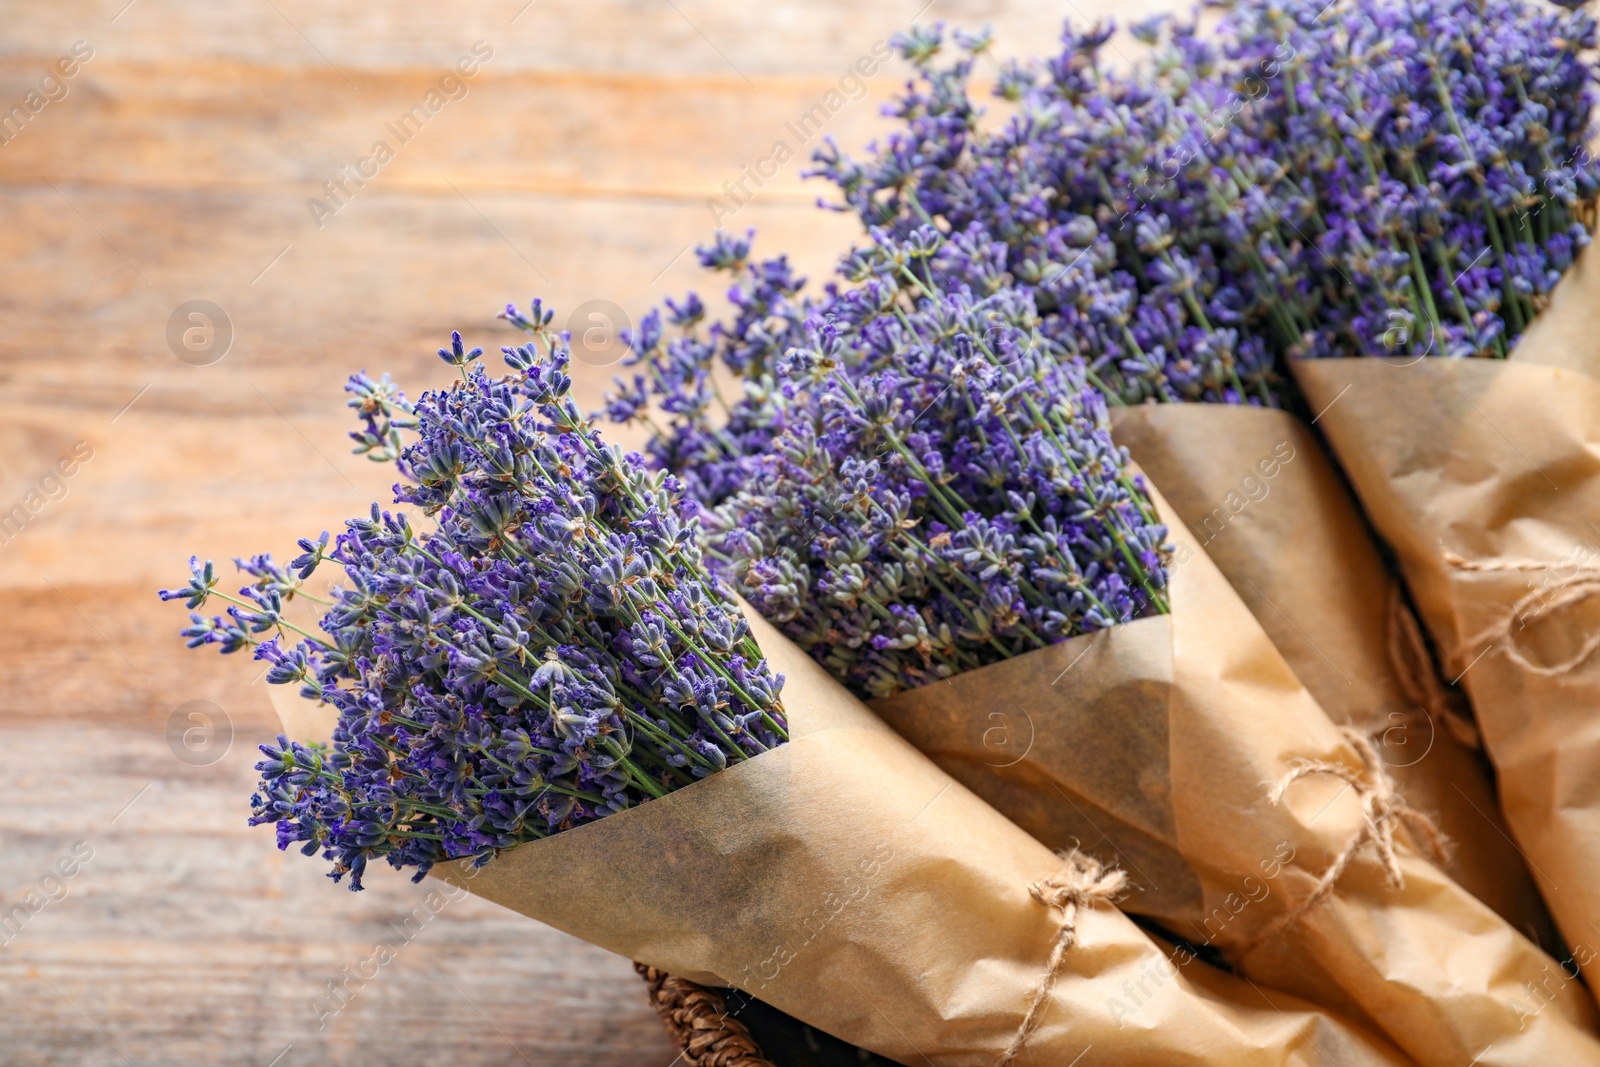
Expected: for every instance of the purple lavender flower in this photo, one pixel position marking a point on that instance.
(944, 491)
(1121, 204)
(1444, 145)
(1375, 177)
(551, 652)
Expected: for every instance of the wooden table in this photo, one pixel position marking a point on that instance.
(179, 163)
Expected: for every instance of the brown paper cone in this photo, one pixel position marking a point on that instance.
(1257, 491)
(1178, 727)
(846, 880)
(1484, 476)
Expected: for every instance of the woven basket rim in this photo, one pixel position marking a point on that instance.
(698, 1022)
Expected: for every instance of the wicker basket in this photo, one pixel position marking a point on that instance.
(750, 1034)
(698, 1022)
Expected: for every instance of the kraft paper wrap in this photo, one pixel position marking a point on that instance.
(1498, 464)
(1158, 741)
(1256, 488)
(846, 880)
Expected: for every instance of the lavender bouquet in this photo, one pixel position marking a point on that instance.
(549, 699)
(944, 493)
(944, 522)
(991, 513)
(1454, 228)
(1225, 182)
(552, 651)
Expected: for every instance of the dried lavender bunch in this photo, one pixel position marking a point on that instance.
(1154, 234)
(944, 491)
(551, 652)
(1445, 142)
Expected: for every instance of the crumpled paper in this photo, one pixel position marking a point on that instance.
(1484, 477)
(1259, 493)
(1160, 740)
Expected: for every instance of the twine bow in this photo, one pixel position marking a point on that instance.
(1084, 883)
(1536, 604)
(1383, 811)
(1419, 682)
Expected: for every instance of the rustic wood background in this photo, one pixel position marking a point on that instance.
(177, 167)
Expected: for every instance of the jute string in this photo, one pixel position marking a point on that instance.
(1419, 681)
(1549, 599)
(1383, 811)
(1084, 883)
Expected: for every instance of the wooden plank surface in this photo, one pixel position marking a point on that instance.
(578, 163)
